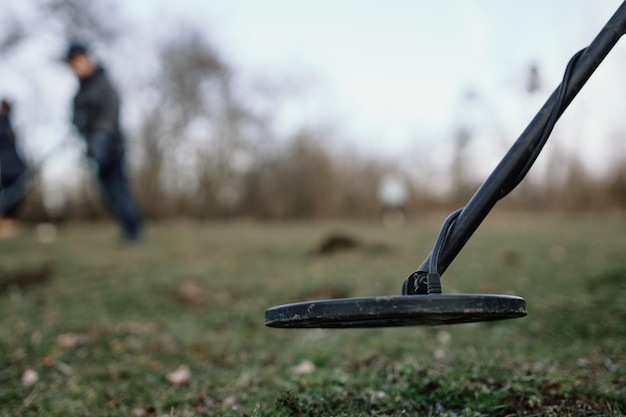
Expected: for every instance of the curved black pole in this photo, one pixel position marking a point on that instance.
(516, 159)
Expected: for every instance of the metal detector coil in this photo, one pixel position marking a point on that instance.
(422, 302)
(395, 311)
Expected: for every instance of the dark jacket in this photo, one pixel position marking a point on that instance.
(11, 164)
(96, 112)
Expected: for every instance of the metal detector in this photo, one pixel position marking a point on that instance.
(422, 302)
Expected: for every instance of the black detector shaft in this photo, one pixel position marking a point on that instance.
(514, 165)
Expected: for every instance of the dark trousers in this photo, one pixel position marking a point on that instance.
(115, 189)
(12, 193)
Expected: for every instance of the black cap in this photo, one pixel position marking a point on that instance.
(75, 49)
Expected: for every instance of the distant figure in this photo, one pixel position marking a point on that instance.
(533, 80)
(96, 109)
(393, 194)
(12, 166)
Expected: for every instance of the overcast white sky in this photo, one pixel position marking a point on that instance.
(391, 74)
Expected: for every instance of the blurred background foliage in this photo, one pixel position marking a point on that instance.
(204, 144)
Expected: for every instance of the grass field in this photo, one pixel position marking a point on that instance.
(175, 327)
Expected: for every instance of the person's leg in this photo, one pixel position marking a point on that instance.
(115, 188)
(12, 194)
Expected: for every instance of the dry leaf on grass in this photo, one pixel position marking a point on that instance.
(71, 341)
(190, 292)
(139, 412)
(304, 368)
(181, 376)
(229, 401)
(29, 377)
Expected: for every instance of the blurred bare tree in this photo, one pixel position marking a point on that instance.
(199, 138)
(533, 80)
(462, 140)
(95, 22)
(462, 187)
(616, 185)
(12, 34)
(302, 178)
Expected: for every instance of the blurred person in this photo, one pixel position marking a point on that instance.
(393, 195)
(12, 172)
(96, 108)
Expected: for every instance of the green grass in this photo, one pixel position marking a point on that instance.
(568, 357)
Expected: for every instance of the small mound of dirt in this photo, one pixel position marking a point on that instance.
(339, 242)
(25, 278)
